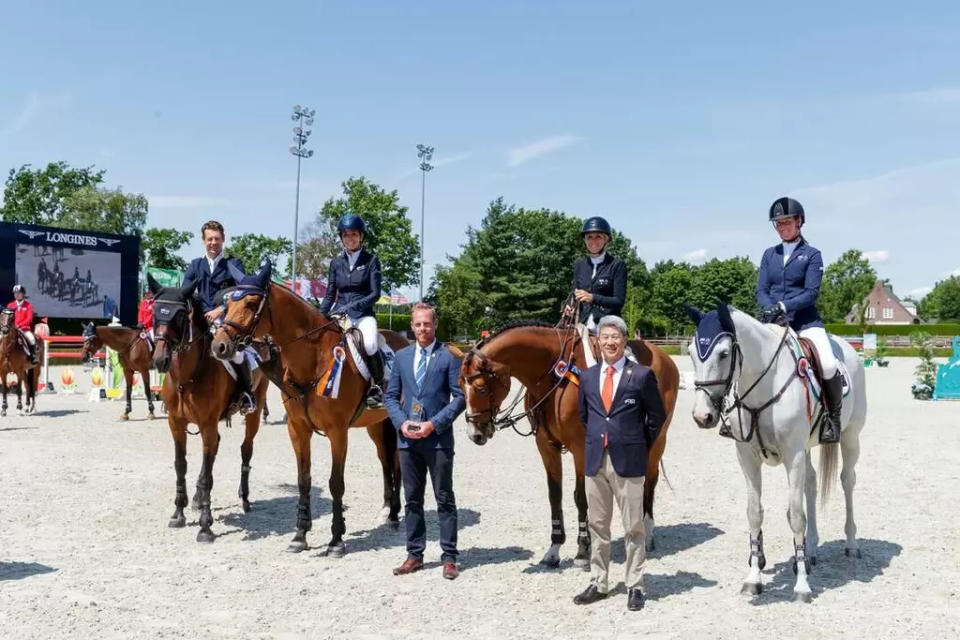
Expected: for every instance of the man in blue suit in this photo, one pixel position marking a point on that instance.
(423, 399)
(212, 277)
(621, 408)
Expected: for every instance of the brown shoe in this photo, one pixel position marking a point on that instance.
(450, 571)
(410, 565)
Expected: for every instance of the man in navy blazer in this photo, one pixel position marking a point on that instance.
(621, 408)
(213, 276)
(423, 399)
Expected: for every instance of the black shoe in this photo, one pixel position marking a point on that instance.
(375, 397)
(590, 595)
(248, 404)
(635, 599)
(833, 395)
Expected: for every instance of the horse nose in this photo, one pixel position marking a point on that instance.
(703, 419)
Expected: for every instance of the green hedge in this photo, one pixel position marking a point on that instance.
(946, 329)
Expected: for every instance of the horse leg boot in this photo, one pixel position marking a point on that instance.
(375, 393)
(833, 394)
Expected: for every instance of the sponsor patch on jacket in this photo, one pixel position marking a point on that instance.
(629, 401)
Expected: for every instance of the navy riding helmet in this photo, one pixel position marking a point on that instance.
(786, 208)
(351, 222)
(596, 224)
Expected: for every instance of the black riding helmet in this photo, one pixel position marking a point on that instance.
(596, 224)
(786, 208)
(351, 222)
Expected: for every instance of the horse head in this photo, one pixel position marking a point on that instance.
(174, 317)
(244, 306)
(91, 342)
(485, 385)
(714, 353)
(6, 321)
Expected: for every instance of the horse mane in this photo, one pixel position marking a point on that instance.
(519, 323)
(305, 304)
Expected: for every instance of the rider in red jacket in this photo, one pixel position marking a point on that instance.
(145, 313)
(23, 318)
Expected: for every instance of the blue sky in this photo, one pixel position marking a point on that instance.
(679, 123)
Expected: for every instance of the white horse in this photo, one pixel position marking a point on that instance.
(747, 375)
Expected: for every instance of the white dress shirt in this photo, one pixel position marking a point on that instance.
(416, 356)
(788, 248)
(352, 257)
(618, 367)
(596, 262)
(212, 262)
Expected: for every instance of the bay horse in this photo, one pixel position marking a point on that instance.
(757, 381)
(199, 390)
(307, 341)
(531, 352)
(14, 360)
(134, 352)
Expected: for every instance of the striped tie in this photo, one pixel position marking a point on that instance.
(421, 369)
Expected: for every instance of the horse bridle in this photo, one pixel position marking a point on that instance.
(247, 331)
(738, 403)
(181, 307)
(502, 419)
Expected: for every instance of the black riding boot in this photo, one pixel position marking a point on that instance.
(248, 403)
(33, 355)
(375, 393)
(833, 394)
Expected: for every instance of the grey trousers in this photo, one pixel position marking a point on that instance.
(602, 490)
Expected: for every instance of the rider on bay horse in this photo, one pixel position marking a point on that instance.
(353, 288)
(213, 277)
(787, 290)
(145, 313)
(23, 319)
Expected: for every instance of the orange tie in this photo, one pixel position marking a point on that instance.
(607, 394)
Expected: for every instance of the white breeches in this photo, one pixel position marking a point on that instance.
(30, 337)
(828, 362)
(368, 328)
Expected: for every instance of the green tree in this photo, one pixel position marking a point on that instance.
(389, 231)
(846, 283)
(40, 196)
(943, 302)
(671, 288)
(519, 264)
(161, 245)
(733, 280)
(315, 252)
(253, 248)
(108, 210)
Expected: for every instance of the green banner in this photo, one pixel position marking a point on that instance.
(166, 277)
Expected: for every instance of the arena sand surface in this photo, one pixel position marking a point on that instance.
(85, 550)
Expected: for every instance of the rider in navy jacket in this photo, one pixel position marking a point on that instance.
(787, 290)
(599, 280)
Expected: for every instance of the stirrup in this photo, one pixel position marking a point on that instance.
(828, 429)
(248, 403)
(374, 398)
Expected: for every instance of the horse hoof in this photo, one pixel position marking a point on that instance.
(335, 550)
(150, 416)
(246, 506)
(124, 416)
(205, 536)
(852, 552)
(551, 563)
(803, 597)
(581, 562)
(3, 413)
(394, 524)
(297, 546)
(177, 522)
(813, 561)
(751, 589)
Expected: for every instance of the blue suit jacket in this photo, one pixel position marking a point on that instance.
(355, 291)
(796, 284)
(442, 398)
(632, 425)
(211, 284)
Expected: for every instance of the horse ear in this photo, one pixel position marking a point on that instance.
(695, 314)
(187, 291)
(235, 272)
(726, 318)
(263, 276)
(153, 285)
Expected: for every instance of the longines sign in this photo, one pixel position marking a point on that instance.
(60, 237)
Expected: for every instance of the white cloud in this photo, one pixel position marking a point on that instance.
(520, 155)
(442, 162)
(186, 202)
(878, 256)
(918, 293)
(699, 256)
(935, 97)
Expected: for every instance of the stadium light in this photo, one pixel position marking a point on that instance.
(303, 116)
(425, 154)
